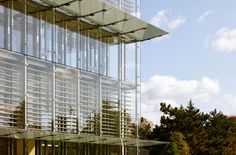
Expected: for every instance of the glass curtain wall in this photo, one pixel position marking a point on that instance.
(73, 82)
(49, 36)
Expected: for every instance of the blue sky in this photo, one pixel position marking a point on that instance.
(195, 61)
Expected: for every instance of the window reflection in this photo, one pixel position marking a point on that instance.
(12, 90)
(71, 48)
(39, 94)
(51, 38)
(33, 32)
(46, 33)
(83, 52)
(113, 58)
(18, 27)
(130, 64)
(4, 12)
(60, 44)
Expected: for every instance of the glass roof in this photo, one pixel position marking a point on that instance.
(100, 15)
(76, 138)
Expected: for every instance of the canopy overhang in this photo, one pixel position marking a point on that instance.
(121, 26)
(75, 138)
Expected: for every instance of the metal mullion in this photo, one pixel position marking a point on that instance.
(65, 40)
(136, 91)
(53, 98)
(39, 34)
(77, 47)
(86, 50)
(78, 97)
(119, 87)
(124, 62)
(53, 57)
(96, 56)
(107, 59)
(25, 38)
(100, 55)
(26, 92)
(10, 4)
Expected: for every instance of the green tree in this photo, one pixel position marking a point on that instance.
(177, 145)
(189, 121)
(205, 133)
(217, 128)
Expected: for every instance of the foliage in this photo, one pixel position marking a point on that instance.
(177, 145)
(145, 129)
(191, 131)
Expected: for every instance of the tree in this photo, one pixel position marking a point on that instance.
(204, 133)
(189, 121)
(177, 145)
(217, 128)
(145, 128)
(231, 138)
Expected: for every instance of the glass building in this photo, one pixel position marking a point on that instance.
(70, 76)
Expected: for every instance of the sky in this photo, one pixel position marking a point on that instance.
(196, 60)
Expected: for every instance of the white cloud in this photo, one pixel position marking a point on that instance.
(159, 18)
(180, 20)
(171, 90)
(204, 15)
(223, 41)
(164, 18)
(230, 100)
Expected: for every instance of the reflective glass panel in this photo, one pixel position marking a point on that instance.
(113, 58)
(93, 55)
(110, 107)
(89, 103)
(4, 16)
(130, 64)
(12, 102)
(103, 59)
(66, 99)
(128, 107)
(46, 35)
(39, 94)
(71, 48)
(83, 52)
(33, 33)
(60, 44)
(18, 26)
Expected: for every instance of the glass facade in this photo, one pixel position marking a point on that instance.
(57, 75)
